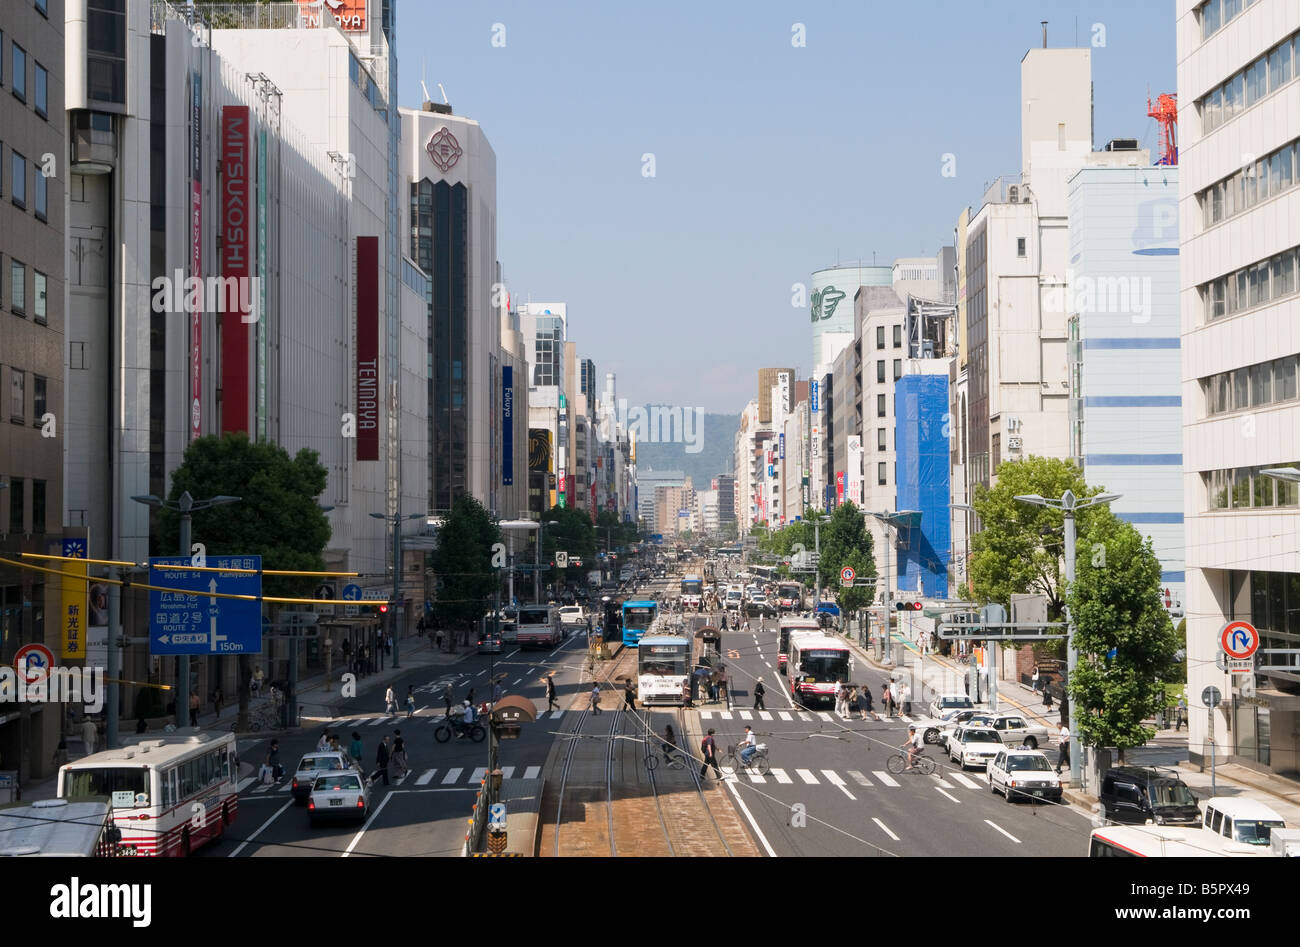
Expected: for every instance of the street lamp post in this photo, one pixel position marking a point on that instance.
(537, 569)
(397, 578)
(889, 519)
(186, 505)
(1068, 504)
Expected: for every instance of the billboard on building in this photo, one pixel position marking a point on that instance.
(507, 425)
(235, 268)
(350, 14)
(196, 253)
(367, 348)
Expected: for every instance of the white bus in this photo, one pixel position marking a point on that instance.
(817, 665)
(1158, 841)
(787, 627)
(663, 668)
(168, 795)
(538, 626)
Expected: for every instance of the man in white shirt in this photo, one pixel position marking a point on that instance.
(1063, 755)
(748, 746)
(915, 744)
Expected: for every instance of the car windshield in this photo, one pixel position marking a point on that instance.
(1028, 762)
(318, 762)
(1255, 832)
(950, 702)
(980, 736)
(342, 781)
(1171, 792)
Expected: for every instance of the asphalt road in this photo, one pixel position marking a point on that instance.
(834, 769)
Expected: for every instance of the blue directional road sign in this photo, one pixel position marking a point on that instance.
(352, 593)
(199, 622)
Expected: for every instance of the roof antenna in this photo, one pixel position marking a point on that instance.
(444, 94)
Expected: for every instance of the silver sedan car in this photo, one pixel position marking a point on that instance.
(339, 795)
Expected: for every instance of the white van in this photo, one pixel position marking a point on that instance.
(1242, 820)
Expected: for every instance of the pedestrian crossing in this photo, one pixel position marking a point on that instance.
(875, 778)
(806, 716)
(456, 776)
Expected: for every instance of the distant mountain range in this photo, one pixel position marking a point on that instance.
(712, 454)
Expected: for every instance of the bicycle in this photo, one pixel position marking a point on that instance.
(268, 718)
(922, 763)
(672, 758)
(758, 763)
(442, 733)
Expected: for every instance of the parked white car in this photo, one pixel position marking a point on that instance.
(573, 615)
(973, 746)
(1024, 774)
(950, 722)
(944, 704)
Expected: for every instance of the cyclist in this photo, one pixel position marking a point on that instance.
(748, 746)
(914, 745)
(466, 720)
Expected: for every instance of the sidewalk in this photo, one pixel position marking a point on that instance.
(314, 698)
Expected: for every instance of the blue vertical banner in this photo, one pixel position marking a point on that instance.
(781, 441)
(507, 425)
(812, 396)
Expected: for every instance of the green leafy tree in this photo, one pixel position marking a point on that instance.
(1115, 602)
(462, 564)
(1020, 548)
(278, 516)
(853, 600)
(843, 533)
(573, 533)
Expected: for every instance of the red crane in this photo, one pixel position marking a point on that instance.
(1165, 111)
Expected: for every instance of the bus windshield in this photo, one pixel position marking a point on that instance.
(638, 618)
(692, 586)
(825, 664)
(108, 781)
(534, 616)
(662, 659)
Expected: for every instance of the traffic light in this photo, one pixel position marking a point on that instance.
(383, 608)
(907, 606)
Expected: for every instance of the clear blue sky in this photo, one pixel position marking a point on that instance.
(771, 161)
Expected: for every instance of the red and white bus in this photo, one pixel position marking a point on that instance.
(169, 795)
(786, 627)
(817, 665)
(692, 591)
(538, 626)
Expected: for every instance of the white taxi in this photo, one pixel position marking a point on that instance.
(343, 794)
(973, 746)
(1024, 774)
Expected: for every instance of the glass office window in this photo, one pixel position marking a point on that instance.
(39, 291)
(41, 87)
(18, 61)
(18, 179)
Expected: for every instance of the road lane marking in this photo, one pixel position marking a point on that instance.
(746, 715)
(806, 718)
(452, 776)
(725, 714)
(706, 714)
(532, 772)
(288, 785)
(764, 715)
(838, 782)
(824, 717)
(948, 794)
(884, 777)
(377, 721)
(940, 780)
(1002, 830)
(477, 776)
(858, 778)
(246, 842)
(752, 824)
(965, 781)
(362, 831)
(783, 715)
(515, 682)
(426, 777)
(807, 776)
(757, 778)
(244, 783)
(780, 776)
(507, 772)
(511, 654)
(884, 828)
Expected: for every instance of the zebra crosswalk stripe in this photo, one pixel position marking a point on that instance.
(783, 715)
(858, 778)
(837, 781)
(706, 714)
(532, 772)
(426, 777)
(507, 772)
(884, 777)
(452, 776)
(764, 715)
(757, 778)
(725, 714)
(477, 776)
(378, 720)
(964, 780)
(807, 776)
(780, 776)
(746, 715)
(245, 783)
(806, 718)
(822, 715)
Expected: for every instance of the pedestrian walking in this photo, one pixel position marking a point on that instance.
(323, 744)
(866, 702)
(438, 637)
(722, 683)
(419, 626)
(89, 733)
(382, 757)
(447, 698)
(195, 703)
(758, 696)
(885, 701)
(551, 702)
(390, 703)
(905, 694)
(1047, 697)
(629, 696)
(1181, 714)
(255, 685)
(271, 766)
(355, 749)
(595, 698)
(1063, 754)
(399, 755)
(410, 701)
(1034, 680)
(217, 700)
(709, 750)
